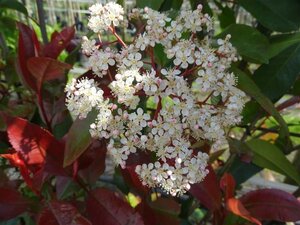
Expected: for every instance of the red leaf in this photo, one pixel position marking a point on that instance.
(45, 69)
(235, 206)
(30, 140)
(147, 213)
(131, 177)
(28, 46)
(106, 206)
(59, 41)
(35, 146)
(92, 162)
(133, 180)
(208, 191)
(272, 204)
(61, 213)
(227, 184)
(12, 204)
(160, 212)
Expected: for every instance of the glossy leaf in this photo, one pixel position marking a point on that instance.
(161, 211)
(272, 204)
(267, 155)
(78, 138)
(61, 213)
(276, 15)
(277, 78)
(235, 206)
(208, 192)
(171, 4)
(248, 41)
(133, 180)
(106, 206)
(13, 4)
(280, 42)
(226, 17)
(35, 145)
(12, 203)
(246, 84)
(28, 46)
(227, 184)
(91, 164)
(45, 69)
(151, 4)
(242, 171)
(59, 41)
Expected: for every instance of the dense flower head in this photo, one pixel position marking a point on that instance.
(103, 16)
(162, 109)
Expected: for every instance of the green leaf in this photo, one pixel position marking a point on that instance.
(13, 4)
(226, 17)
(280, 42)
(160, 55)
(154, 4)
(171, 4)
(242, 171)
(296, 88)
(267, 155)
(278, 15)
(277, 78)
(246, 84)
(249, 42)
(78, 138)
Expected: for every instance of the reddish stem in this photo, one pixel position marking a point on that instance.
(188, 72)
(292, 101)
(159, 106)
(117, 36)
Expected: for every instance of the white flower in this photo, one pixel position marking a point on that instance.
(133, 60)
(161, 109)
(139, 117)
(82, 96)
(88, 46)
(102, 17)
(100, 60)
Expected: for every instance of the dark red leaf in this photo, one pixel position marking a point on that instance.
(133, 180)
(160, 212)
(91, 164)
(28, 46)
(45, 69)
(227, 184)
(61, 213)
(12, 203)
(59, 41)
(109, 208)
(147, 213)
(272, 204)
(131, 177)
(208, 192)
(235, 206)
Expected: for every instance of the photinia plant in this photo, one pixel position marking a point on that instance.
(193, 95)
(182, 110)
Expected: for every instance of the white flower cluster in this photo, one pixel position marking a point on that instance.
(194, 97)
(103, 16)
